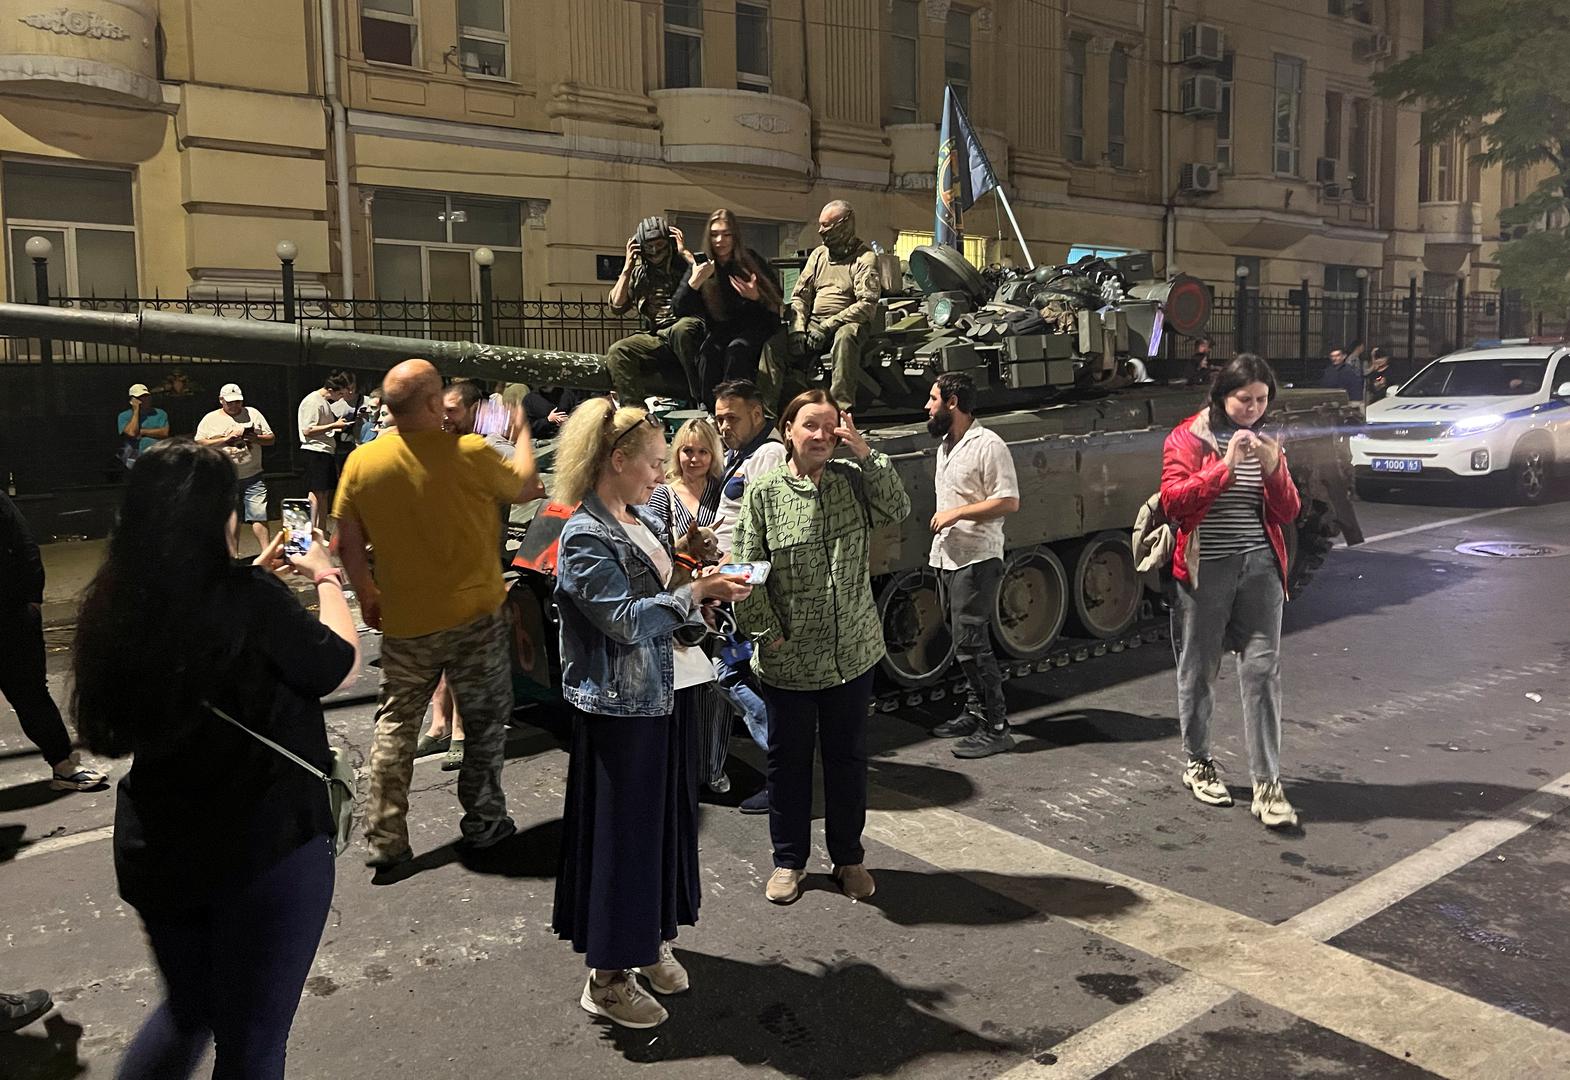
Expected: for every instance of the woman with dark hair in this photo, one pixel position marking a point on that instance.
(1226, 488)
(819, 629)
(738, 297)
(232, 880)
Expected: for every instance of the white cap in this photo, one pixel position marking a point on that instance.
(231, 392)
(138, 389)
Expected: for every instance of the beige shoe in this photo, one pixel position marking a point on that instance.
(666, 975)
(1271, 806)
(855, 880)
(784, 885)
(622, 1001)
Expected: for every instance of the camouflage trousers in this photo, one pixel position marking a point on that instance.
(479, 673)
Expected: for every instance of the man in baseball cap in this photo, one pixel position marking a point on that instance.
(241, 431)
(141, 425)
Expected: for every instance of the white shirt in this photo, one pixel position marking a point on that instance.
(316, 411)
(247, 457)
(692, 665)
(766, 458)
(978, 468)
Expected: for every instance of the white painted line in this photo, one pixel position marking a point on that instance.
(61, 843)
(1435, 525)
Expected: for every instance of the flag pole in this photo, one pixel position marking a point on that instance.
(999, 190)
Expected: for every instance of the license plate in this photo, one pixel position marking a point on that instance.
(1397, 464)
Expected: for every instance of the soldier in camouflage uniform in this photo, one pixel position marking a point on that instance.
(663, 359)
(835, 299)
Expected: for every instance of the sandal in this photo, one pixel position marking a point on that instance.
(79, 778)
(454, 759)
(427, 745)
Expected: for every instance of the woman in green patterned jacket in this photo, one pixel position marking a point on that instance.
(818, 630)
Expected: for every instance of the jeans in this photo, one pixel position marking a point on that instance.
(800, 720)
(970, 592)
(233, 972)
(732, 685)
(1237, 608)
(24, 682)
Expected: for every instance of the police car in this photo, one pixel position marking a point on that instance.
(1499, 411)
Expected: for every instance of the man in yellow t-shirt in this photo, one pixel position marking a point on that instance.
(427, 500)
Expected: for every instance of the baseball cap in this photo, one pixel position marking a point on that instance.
(231, 392)
(138, 389)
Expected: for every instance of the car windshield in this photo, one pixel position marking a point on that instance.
(1501, 376)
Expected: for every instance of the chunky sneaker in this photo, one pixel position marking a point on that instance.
(666, 976)
(1200, 778)
(19, 1010)
(966, 723)
(1271, 806)
(855, 880)
(984, 742)
(784, 885)
(622, 1001)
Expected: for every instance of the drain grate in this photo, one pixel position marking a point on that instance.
(1510, 549)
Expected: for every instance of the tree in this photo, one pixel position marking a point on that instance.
(1498, 73)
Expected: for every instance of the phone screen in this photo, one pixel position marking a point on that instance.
(755, 573)
(699, 257)
(297, 519)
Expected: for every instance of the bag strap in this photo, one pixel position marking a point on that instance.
(290, 754)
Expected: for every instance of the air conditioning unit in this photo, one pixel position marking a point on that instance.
(1203, 44)
(1199, 178)
(1371, 47)
(1327, 170)
(1200, 95)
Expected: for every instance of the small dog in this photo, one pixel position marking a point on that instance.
(698, 547)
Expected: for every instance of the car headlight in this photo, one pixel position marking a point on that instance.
(1474, 425)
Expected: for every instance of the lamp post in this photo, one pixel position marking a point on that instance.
(1460, 310)
(287, 251)
(1240, 325)
(1362, 307)
(485, 258)
(39, 249)
(1411, 320)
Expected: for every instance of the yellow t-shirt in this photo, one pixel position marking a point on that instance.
(428, 503)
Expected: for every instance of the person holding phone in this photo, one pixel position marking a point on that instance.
(223, 847)
(735, 293)
(1227, 491)
(240, 431)
(629, 854)
(819, 630)
(319, 425)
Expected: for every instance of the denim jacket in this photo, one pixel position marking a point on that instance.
(617, 620)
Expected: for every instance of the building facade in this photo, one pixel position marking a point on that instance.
(168, 146)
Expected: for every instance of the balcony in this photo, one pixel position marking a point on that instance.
(764, 132)
(93, 50)
(1451, 224)
(915, 148)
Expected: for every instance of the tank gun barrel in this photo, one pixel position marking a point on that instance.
(158, 333)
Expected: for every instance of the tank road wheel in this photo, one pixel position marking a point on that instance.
(1031, 605)
(1531, 470)
(1308, 542)
(915, 629)
(1104, 588)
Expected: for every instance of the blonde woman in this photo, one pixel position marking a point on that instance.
(629, 857)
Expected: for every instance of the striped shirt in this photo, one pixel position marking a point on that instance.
(1235, 522)
(667, 505)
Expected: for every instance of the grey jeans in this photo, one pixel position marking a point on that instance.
(969, 594)
(1236, 608)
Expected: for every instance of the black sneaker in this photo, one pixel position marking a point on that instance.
(756, 804)
(966, 723)
(984, 743)
(19, 1010)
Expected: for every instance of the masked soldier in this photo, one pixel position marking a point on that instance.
(663, 359)
(834, 300)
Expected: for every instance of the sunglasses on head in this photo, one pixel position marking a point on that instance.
(648, 418)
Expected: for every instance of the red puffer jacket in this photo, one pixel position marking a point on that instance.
(1193, 474)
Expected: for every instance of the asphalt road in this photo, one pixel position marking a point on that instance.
(1064, 911)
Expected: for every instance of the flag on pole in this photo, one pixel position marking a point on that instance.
(964, 173)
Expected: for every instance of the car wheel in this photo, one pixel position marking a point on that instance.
(1531, 471)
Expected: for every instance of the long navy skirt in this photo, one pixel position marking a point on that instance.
(629, 855)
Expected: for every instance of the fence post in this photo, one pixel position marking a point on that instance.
(1240, 313)
(1460, 312)
(1302, 328)
(484, 258)
(1411, 322)
(39, 249)
(1362, 306)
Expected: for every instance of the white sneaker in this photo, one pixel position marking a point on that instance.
(1200, 778)
(1271, 806)
(622, 1001)
(666, 976)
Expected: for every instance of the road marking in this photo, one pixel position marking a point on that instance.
(1436, 525)
(50, 844)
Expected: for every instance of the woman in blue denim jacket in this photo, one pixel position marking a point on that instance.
(629, 862)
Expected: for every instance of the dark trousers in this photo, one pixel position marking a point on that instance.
(23, 681)
(970, 593)
(732, 352)
(799, 721)
(233, 972)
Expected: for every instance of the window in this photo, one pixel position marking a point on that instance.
(1332, 125)
(1445, 170)
(1117, 110)
(907, 241)
(1360, 140)
(684, 43)
(764, 237)
(424, 246)
(1224, 115)
(388, 31)
(905, 62)
(956, 55)
(1288, 114)
(86, 214)
(482, 37)
(754, 64)
(1074, 99)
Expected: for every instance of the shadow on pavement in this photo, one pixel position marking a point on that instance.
(29, 795)
(1433, 800)
(1357, 581)
(846, 1019)
(916, 898)
(1073, 727)
(11, 841)
(51, 1055)
(924, 784)
(532, 853)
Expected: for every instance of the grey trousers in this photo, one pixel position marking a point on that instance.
(969, 594)
(1236, 608)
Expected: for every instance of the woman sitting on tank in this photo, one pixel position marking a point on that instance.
(1226, 488)
(736, 294)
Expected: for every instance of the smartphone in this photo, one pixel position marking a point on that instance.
(755, 573)
(699, 257)
(297, 521)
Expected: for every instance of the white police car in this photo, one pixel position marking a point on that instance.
(1498, 411)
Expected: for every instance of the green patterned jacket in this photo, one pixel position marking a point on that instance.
(819, 594)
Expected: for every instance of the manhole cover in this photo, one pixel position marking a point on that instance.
(1509, 549)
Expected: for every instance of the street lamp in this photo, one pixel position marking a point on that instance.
(1362, 306)
(485, 258)
(39, 249)
(287, 251)
(1240, 314)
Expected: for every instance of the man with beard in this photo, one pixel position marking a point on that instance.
(835, 298)
(976, 488)
(663, 359)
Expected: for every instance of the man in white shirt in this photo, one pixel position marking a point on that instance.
(319, 426)
(976, 488)
(241, 432)
(752, 448)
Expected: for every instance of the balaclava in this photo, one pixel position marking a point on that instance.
(840, 238)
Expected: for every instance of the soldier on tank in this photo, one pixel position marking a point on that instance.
(662, 359)
(835, 298)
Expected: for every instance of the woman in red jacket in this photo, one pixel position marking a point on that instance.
(1226, 488)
